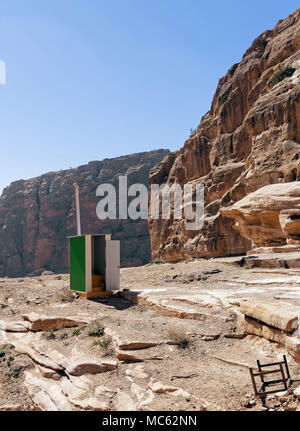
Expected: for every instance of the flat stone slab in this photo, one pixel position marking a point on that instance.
(279, 249)
(142, 395)
(201, 300)
(13, 326)
(136, 345)
(281, 315)
(47, 372)
(130, 344)
(80, 366)
(171, 308)
(40, 359)
(290, 343)
(91, 403)
(123, 402)
(160, 388)
(38, 322)
(45, 393)
(136, 371)
(137, 355)
(276, 260)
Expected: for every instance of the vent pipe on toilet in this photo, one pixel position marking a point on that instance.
(76, 187)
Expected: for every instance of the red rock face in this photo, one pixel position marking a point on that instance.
(270, 216)
(250, 138)
(37, 215)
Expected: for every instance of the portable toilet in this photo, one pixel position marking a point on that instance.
(94, 265)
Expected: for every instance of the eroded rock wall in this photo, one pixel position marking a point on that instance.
(250, 138)
(270, 216)
(37, 215)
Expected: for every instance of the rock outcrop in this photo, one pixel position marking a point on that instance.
(283, 316)
(250, 138)
(270, 216)
(37, 215)
(273, 321)
(37, 322)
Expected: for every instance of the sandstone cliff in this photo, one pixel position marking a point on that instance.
(270, 216)
(250, 138)
(37, 215)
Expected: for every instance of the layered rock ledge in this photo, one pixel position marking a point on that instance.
(269, 217)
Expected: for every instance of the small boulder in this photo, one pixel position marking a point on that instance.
(137, 371)
(296, 392)
(47, 372)
(124, 402)
(38, 322)
(80, 366)
(159, 388)
(13, 326)
(91, 403)
(181, 393)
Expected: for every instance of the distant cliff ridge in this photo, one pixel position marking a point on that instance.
(250, 138)
(38, 214)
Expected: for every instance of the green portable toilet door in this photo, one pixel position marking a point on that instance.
(77, 263)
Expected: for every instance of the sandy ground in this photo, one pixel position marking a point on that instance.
(197, 366)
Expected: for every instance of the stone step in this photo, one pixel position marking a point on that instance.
(182, 310)
(283, 316)
(98, 288)
(98, 283)
(290, 248)
(274, 260)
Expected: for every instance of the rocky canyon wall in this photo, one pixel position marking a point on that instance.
(37, 215)
(250, 138)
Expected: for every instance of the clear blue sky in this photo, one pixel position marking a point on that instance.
(90, 79)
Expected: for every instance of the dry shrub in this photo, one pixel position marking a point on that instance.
(109, 352)
(64, 295)
(96, 329)
(179, 336)
(106, 346)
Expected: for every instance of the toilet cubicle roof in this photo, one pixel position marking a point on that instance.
(107, 235)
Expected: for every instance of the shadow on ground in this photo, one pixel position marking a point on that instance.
(115, 301)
